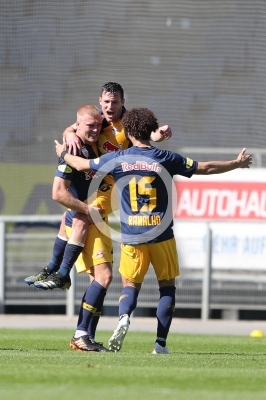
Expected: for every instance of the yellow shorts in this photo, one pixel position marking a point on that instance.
(135, 260)
(98, 249)
(106, 196)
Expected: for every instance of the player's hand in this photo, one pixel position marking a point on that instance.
(162, 133)
(245, 160)
(73, 143)
(165, 131)
(95, 214)
(59, 147)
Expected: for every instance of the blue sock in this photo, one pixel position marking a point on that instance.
(72, 251)
(58, 254)
(165, 311)
(92, 297)
(95, 319)
(128, 300)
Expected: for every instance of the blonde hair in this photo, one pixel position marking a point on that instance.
(87, 109)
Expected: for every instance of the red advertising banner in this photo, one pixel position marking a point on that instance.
(220, 200)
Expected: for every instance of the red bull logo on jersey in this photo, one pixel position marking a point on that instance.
(141, 166)
(110, 147)
(89, 175)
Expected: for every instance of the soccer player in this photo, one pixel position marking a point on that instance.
(143, 176)
(70, 188)
(112, 138)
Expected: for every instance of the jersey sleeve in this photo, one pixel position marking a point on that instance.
(104, 164)
(64, 170)
(181, 165)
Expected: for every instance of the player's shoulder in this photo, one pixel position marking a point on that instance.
(105, 124)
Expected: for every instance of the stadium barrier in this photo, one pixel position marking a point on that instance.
(210, 278)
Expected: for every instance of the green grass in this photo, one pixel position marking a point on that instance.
(38, 364)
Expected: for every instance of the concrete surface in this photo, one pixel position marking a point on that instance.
(189, 326)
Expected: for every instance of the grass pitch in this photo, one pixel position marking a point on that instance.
(38, 364)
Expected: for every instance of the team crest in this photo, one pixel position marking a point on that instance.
(65, 168)
(99, 254)
(85, 152)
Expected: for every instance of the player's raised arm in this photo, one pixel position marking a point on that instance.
(72, 141)
(162, 133)
(80, 164)
(218, 167)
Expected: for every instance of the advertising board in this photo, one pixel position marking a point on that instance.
(233, 206)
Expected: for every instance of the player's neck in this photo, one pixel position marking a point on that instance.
(140, 143)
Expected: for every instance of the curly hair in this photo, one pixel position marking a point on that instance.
(140, 123)
(112, 87)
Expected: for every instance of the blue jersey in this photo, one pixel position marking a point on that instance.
(143, 177)
(80, 181)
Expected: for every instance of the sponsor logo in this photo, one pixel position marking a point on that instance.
(89, 175)
(141, 165)
(220, 200)
(65, 168)
(89, 307)
(109, 147)
(171, 308)
(124, 296)
(105, 187)
(189, 163)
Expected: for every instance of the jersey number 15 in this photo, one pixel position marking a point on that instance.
(141, 189)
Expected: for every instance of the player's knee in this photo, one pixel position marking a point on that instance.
(81, 220)
(108, 277)
(104, 275)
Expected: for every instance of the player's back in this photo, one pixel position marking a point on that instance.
(144, 183)
(143, 177)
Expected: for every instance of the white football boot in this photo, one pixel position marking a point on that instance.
(116, 340)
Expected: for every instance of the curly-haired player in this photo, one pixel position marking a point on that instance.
(143, 176)
(77, 243)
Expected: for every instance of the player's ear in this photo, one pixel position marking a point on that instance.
(100, 100)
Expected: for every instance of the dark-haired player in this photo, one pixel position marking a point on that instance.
(143, 176)
(112, 138)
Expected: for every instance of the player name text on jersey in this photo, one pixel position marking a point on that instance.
(144, 220)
